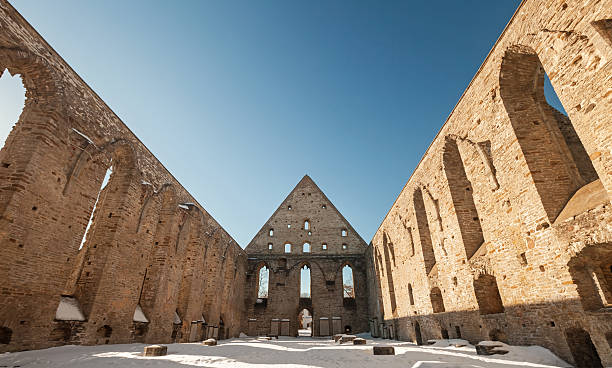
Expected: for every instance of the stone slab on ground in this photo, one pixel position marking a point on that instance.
(155, 350)
(490, 349)
(347, 338)
(209, 342)
(337, 337)
(359, 341)
(383, 350)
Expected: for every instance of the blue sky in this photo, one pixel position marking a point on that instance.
(240, 99)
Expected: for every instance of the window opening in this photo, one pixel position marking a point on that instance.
(91, 215)
(12, 95)
(287, 248)
(264, 280)
(348, 285)
(305, 282)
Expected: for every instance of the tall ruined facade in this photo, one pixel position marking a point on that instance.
(503, 231)
(305, 253)
(100, 244)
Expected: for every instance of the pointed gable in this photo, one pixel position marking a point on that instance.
(307, 216)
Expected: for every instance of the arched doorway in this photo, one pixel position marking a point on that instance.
(305, 323)
(417, 334)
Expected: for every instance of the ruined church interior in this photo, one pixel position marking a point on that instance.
(502, 233)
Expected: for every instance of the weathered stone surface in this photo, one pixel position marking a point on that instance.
(150, 248)
(490, 349)
(155, 350)
(383, 350)
(347, 338)
(306, 216)
(502, 231)
(359, 341)
(209, 342)
(337, 337)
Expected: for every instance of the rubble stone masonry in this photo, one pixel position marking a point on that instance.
(150, 246)
(503, 231)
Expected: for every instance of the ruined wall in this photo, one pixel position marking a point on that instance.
(343, 247)
(150, 245)
(503, 230)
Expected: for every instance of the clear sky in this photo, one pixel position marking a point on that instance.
(240, 99)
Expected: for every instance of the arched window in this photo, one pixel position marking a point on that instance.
(12, 95)
(287, 248)
(90, 221)
(264, 280)
(271, 233)
(487, 295)
(306, 225)
(437, 302)
(348, 286)
(556, 159)
(305, 282)
(389, 272)
(344, 247)
(461, 192)
(424, 232)
(410, 294)
(269, 246)
(344, 232)
(306, 248)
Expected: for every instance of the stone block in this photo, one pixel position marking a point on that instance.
(155, 350)
(359, 341)
(337, 337)
(383, 350)
(209, 342)
(347, 338)
(490, 349)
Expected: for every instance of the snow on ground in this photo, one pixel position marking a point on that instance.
(286, 352)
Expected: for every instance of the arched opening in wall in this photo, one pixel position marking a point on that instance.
(591, 271)
(103, 185)
(429, 257)
(12, 97)
(306, 248)
(287, 248)
(348, 284)
(417, 334)
(556, 158)
(271, 232)
(487, 295)
(444, 333)
(263, 282)
(437, 302)
(304, 323)
(410, 296)
(498, 335)
(389, 273)
(463, 198)
(306, 225)
(582, 348)
(305, 282)
(5, 335)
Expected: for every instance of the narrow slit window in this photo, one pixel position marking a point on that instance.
(109, 171)
(287, 248)
(324, 246)
(264, 276)
(270, 246)
(348, 285)
(306, 225)
(271, 233)
(305, 282)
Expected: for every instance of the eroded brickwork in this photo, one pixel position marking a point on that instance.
(503, 230)
(150, 245)
(306, 216)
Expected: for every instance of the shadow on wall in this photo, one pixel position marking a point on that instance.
(569, 338)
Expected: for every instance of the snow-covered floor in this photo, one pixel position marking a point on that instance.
(285, 352)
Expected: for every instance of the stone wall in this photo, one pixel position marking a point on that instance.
(503, 230)
(306, 216)
(150, 245)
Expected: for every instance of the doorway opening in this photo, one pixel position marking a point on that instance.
(304, 323)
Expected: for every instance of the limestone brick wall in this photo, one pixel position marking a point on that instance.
(503, 230)
(333, 244)
(150, 244)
